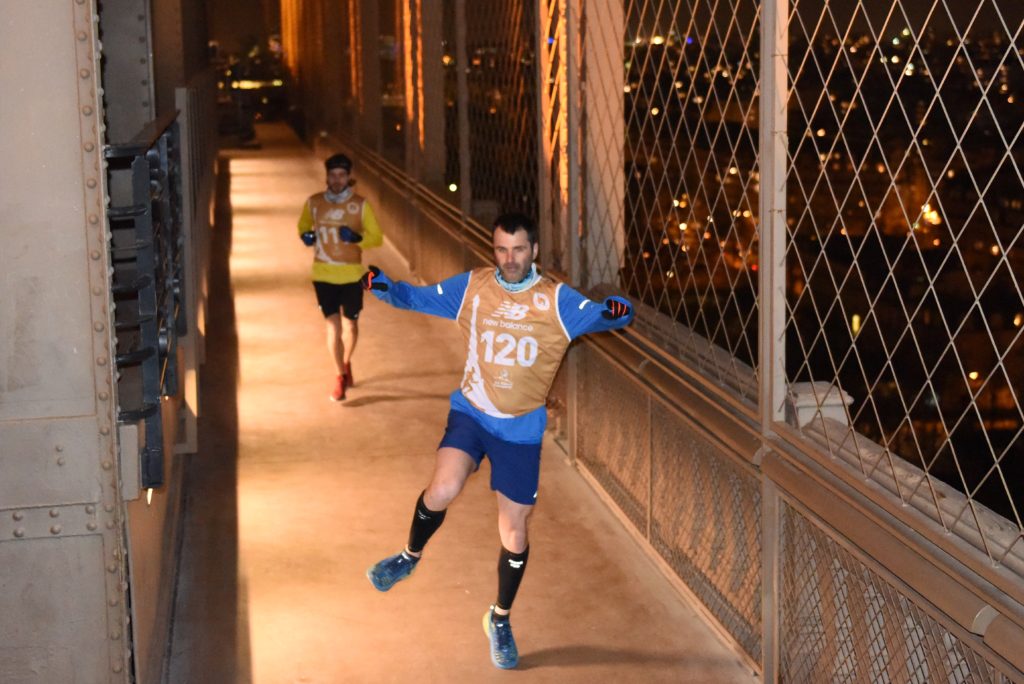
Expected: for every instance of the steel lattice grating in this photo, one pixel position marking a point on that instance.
(706, 523)
(613, 437)
(840, 621)
(905, 207)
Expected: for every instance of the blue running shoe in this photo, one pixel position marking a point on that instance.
(392, 569)
(498, 629)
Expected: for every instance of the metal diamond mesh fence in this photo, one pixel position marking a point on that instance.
(500, 46)
(904, 221)
(691, 170)
(840, 621)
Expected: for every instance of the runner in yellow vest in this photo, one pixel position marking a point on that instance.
(339, 224)
(517, 325)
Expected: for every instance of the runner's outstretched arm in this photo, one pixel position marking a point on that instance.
(442, 299)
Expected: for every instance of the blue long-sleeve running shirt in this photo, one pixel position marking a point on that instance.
(515, 342)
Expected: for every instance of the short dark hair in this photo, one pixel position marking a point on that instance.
(339, 161)
(513, 221)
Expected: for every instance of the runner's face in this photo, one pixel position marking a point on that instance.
(337, 180)
(513, 254)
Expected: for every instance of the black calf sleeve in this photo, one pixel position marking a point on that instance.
(511, 567)
(424, 524)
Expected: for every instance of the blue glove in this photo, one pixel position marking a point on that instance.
(374, 279)
(615, 308)
(308, 238)
(349, 235)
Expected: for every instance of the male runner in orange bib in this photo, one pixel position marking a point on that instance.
(517, 325)
(339, 224)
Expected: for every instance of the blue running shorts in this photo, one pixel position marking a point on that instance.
(515, 468)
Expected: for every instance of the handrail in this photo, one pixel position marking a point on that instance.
(143, 140)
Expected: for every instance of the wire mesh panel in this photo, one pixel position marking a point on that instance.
(840, 621)
(691, 161)
(706, 522)
(904, 217)
(502, 107)
(613, 435)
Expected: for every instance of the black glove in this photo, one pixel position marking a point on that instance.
(308, 238)
(374, 279)
(349, 235)
(616, 307)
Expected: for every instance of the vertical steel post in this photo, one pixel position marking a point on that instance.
(370, 103)
(542, 71)
(772, 302)
(462, 84)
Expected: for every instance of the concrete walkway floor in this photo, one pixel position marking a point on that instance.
(292, 496)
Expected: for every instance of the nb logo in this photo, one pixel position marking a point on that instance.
(515, 564)
(511, 312)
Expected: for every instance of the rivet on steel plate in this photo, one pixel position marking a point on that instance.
(20, 532)
(107, 465)
(55, 529)
(18, 515)
(91, 526)
(54, 513)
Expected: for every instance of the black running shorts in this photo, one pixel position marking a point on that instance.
(347, 298)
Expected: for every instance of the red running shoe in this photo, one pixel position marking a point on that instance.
(338, 394)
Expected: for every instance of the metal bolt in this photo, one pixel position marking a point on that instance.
(94, 255)
(82, 35)
(110, 524)
(91, 183)
(55, 529)
(90, 509)
(109, 508)
(101, 361)
(112, 601)
(98, 327)
(84, 73)
(117, 667)
(111, 568)
(107, 465)
(103, 397)
(97, 290)
(104, 430)
(61, 461)
(59, 448)
(89, 147)
(115, 635)
(90, 526)
(87, 110)
(18, 515)
(54, 513)
(94, 219)
(20, 532)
